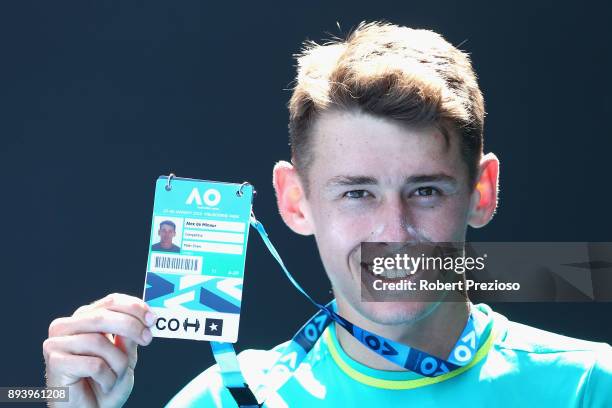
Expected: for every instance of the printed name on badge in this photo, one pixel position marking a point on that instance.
(197, 253)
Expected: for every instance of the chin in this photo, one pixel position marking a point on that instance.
(393, 313)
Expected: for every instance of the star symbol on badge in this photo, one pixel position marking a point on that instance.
(213, 327)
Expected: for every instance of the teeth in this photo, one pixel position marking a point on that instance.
(394, 273)
(389, 273)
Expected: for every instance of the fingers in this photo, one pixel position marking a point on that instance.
(131, 318)
(99, 341)
(120, 302)
(76, 367)
(89, 344)
(130, 348)
(100, 320)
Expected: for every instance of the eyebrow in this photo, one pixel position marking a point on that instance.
(339, 181)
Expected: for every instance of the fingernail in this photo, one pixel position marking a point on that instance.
(150, 318)
(146, 336)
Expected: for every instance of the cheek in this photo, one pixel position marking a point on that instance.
(448, 224)
(338, 234)
(342, 227)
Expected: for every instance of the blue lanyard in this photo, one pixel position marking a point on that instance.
(304, 340)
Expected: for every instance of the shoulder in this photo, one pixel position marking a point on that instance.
(565, 357)
(599, 381)
(523, 338)
(207, 388)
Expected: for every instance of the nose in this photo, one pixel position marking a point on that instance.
(393, 222)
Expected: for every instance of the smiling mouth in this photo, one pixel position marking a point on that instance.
(388, 274)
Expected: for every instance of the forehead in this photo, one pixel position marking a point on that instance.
(358, 143)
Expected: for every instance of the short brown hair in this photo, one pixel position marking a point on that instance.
(410, 75)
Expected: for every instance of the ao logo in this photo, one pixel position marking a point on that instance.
(211, 197)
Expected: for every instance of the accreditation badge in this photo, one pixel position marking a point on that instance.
(197, 252)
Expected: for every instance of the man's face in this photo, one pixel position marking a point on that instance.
(374, 180)
(166, 233)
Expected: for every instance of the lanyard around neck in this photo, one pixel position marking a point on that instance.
(304, 340)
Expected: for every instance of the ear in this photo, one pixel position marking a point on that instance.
(485, 195)
(291, 198)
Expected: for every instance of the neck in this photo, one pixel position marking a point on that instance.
(435, 334)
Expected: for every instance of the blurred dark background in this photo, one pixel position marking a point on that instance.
(99, 98)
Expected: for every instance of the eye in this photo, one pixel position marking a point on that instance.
(357, 194)
(426, 191)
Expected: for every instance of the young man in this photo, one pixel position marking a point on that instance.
(386, 132)
(167, 232)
